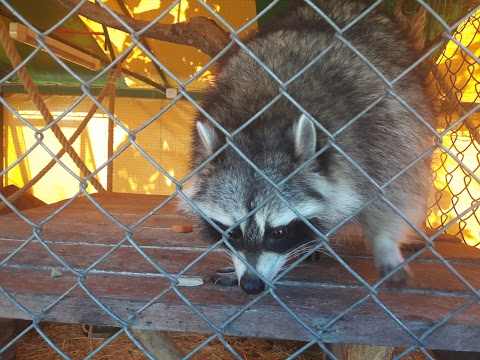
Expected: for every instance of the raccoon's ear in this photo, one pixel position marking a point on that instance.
(305, 138)
(207, 135)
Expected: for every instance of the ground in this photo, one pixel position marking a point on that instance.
(72, 340)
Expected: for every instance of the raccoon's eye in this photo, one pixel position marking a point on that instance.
(235, 234)
(279, 233)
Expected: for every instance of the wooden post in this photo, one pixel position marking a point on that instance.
(7, 333)
(158, 344)
(361, 352)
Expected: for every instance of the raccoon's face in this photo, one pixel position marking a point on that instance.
(264, 245)
(228, 189)
(270, 235)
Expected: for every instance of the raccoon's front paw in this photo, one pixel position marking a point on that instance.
(224, 277)
(401, 277)
(413, 246)
(388, 258)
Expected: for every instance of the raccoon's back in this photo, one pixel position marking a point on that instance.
(301, 65)
(342, 74)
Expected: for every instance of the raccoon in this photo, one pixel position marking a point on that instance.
(313, 125)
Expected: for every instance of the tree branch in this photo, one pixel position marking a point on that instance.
(200, 32)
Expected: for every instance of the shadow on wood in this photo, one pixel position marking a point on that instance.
(24, 202)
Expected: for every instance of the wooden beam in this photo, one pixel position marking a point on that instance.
(158, 344)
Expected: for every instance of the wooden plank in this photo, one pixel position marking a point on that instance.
(75, 217)
(83, 210)
(99, 232)
(96, 233)
(308, 298)
(87, 224)
(316, 292)
(428, 275)
(318, 305)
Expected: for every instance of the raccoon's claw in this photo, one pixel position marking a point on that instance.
(402, 277)
(224, 277)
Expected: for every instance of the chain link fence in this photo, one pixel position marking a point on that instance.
(451, 82)
(452, 208)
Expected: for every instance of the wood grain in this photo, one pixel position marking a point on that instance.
(124, 281)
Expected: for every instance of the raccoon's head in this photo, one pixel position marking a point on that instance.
(228, 188)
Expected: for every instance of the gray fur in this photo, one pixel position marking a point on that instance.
(333, 91)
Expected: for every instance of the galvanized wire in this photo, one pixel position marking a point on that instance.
(316, 336)
(456, 124)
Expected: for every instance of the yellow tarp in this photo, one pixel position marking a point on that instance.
(166, 140)
(183, 61)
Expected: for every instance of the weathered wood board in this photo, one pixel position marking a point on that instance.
(124, 281)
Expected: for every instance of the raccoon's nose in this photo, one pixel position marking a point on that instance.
(251, 284)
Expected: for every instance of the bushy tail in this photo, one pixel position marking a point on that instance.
(411, 17)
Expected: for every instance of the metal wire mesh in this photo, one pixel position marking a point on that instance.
(456, 101)
(453, 127)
